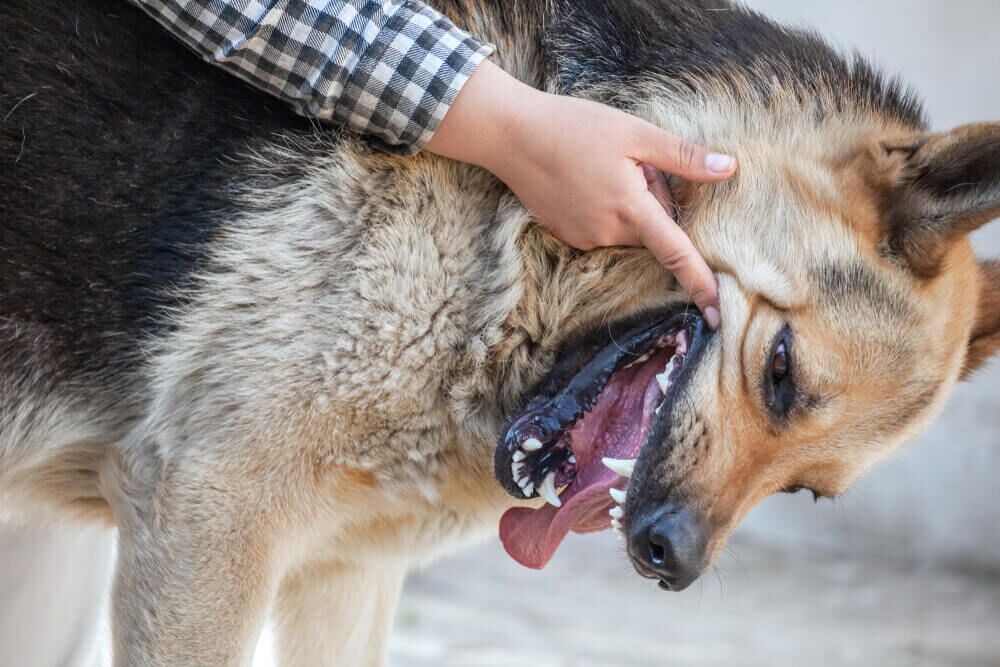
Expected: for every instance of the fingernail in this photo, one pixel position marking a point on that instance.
(719, 164)
(713, 317)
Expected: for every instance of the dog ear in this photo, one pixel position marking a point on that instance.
(940, 187)
(985, 338)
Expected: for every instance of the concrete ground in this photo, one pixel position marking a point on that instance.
(765, 606)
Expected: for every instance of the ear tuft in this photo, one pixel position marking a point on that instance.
(984, 341)
(944, 187)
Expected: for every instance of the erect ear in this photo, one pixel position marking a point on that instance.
(985, 338)
(938, 188)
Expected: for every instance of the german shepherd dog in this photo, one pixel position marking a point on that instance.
(290, 368)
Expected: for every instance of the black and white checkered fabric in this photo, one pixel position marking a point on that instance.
(389, 70)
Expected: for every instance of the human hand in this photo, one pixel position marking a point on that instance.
(589, 173)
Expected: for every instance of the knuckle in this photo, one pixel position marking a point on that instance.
(675, 258)
(629, 213)
(686, 153)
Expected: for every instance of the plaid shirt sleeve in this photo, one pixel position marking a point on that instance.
(389, 69)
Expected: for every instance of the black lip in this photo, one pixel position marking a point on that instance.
(646, 494)
(659, 430)
(573, 385)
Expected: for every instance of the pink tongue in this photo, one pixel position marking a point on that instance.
(615, 427)
(531, 537)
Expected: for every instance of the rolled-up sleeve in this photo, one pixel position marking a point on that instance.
(388, 70)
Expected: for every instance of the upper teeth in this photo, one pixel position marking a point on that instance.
(663, 379)
(641, 360)
(623, 467)
(681, 343)
(618, 495)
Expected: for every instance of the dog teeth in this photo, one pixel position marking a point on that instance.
(572, 459)
(623, 467)
(519, 455)
(616, 524)
(531, 445)
(547, 490)
(641, 360)
(616, 512)
(664, 381)
(618, 496)
(681, 344)
(528, 490)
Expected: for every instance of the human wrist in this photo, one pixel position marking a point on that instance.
(485, 125)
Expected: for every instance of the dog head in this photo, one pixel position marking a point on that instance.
(852, 303)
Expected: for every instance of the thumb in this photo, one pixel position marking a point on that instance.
(680, 157)
(675, 251)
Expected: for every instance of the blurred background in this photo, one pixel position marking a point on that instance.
(905, 570)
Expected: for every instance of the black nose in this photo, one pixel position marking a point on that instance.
(669, 545)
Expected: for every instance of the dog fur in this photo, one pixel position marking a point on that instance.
(279, 361)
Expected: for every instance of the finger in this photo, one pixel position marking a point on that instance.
(657, 184)
(675, 251)
(675, 155)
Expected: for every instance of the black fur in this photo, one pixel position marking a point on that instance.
(689, 42)
(120, 159)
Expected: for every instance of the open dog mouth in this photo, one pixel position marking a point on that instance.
(576, 441)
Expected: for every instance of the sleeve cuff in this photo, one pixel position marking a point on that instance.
(408, 78)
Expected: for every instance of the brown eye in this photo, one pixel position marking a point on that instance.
(779, 363)
(779, 375)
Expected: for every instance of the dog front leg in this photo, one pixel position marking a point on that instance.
(337, 614)
(192, 584)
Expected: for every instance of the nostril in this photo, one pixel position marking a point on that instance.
(660, 550)
(657, 555)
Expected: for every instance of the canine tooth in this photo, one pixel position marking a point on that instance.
(623, 467)
(518, 455)
(618, 495)
(548, 490)
(528, 490)
(531, 445)
(616, 512)
(664, 381)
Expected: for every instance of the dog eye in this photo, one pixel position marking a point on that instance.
(779, 376)
(779, 363)
(795, 489)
